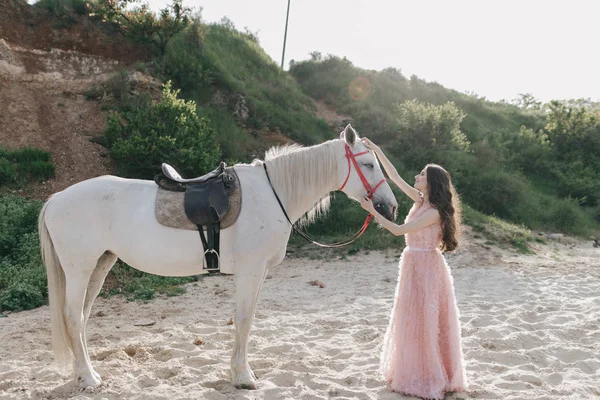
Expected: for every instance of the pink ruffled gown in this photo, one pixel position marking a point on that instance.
(422, 354)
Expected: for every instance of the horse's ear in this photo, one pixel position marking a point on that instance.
(349, 135)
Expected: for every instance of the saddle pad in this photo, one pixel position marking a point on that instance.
(169, 207)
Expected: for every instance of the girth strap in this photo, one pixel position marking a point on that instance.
(211, 247)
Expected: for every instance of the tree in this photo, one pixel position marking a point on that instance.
(527, 101)
(316, 56)
(425, 131)
(141, 24)
(573, 129)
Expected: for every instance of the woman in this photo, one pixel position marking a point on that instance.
(422, 354)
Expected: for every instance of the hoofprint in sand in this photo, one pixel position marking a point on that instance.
(530, 324)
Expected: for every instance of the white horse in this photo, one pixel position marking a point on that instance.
(86, 227)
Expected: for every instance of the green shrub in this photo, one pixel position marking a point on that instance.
(41, 170)
(232, 139)
(22, 165)
(118, 86)
(142, 138)
(567, 216)
(64, 11)
(19, 297)
(27, 154)
(8, 172)
(18, 217)
(94, 93)
(578, 179)
(141, 66)
(22, 275)
(496, 192)
(183, 60)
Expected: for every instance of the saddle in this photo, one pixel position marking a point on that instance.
(206, 202)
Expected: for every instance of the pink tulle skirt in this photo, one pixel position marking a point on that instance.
(422, 354)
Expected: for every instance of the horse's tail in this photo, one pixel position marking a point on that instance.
(61, 343)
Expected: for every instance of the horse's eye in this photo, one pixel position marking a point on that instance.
(370, 166)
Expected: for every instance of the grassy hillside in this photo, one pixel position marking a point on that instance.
(249, 100)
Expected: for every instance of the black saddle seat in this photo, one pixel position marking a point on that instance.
(207, 202)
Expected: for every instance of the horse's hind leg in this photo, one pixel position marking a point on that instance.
(76, 288)
(103, 267)
(248, 283)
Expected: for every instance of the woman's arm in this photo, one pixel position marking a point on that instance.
(430, 217)
(392, 172)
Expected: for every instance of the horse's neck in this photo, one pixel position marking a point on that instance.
(303, 178)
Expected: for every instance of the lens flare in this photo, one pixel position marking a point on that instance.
(360, 88)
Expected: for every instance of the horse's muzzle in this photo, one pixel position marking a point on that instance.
(388, 211)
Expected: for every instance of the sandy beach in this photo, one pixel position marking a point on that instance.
(530, 325)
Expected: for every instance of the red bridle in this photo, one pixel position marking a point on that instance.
(365, 182)
(370, 190)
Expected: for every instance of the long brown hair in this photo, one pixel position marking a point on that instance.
(444, 198)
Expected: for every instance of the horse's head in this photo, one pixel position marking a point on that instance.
(361, 175)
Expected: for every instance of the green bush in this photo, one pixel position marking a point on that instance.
(64, 11)
(567, 216)
(18, 217)
(22, 165)
(19, 297)
(8, 172)
(149, 134)
(433, 130)
(234, 142)
(22, 274)
(578, 179)
(118, 86)
(496, 192)
(27, 154)
(183, 60)
(94, 93)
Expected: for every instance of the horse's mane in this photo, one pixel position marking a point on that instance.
(299, 173)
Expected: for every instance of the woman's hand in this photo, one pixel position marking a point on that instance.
(370, 145)
(367, 204)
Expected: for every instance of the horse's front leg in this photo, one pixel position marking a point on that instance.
(248, 282)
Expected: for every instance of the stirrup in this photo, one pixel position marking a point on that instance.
(218, 268)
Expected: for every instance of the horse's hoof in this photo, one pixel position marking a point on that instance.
(246, 385)
(89, 381)
(245, 379)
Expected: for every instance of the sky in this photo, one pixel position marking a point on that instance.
(495, 49)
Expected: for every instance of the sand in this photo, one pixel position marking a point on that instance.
(530, 325)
